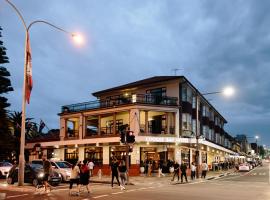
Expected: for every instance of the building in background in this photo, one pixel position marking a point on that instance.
(161, 111)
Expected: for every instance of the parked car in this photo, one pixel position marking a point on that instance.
(32, 174)
(62, 167)
(4, 168)
(244, 167)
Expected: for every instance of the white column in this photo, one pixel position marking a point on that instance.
(82, 128)
(135, 155)
(177, 155)
(134, 121)
(106, 155)
(177, 124)
(81, 153)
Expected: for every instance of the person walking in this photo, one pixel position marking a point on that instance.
(114, 171)
(204, 169)
(193, 170)
(84, 176)
(183, 168)
(176, 170)
(74, 177)
(47, 167)
(91, 167)
(123, 174)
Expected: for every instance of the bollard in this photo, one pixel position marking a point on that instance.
(99, 174)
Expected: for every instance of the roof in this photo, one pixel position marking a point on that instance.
(152, 80)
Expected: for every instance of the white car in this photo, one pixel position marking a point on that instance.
(244, 167)
(4, 168)
(62, 167)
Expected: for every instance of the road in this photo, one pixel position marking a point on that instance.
(237, 186)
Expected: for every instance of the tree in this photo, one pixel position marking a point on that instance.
(5, 87)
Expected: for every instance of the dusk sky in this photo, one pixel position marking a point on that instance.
(215, 43)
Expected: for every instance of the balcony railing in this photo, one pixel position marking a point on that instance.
(122, 100)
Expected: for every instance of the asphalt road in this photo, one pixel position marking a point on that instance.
(253, 185)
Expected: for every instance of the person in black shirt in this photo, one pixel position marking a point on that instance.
(123, 174)
(176, 170)
(114, 169)
(183, 168)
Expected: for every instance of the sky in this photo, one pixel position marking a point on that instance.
(214, 43)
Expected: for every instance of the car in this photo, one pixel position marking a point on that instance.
(32, 174)
(244, 167)
(62, 167)
(4, 168)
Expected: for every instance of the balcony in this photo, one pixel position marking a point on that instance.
(121, 100)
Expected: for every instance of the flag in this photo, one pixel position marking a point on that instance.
(29, 81)
(41, 126)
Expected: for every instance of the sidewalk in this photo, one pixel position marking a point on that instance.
(136, 180)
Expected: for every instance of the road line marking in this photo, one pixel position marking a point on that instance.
(117, 192)
(20, 195)
(96, 197)
(142, 188)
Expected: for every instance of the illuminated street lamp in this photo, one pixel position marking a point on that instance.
(227, 91)
(257, 137)
(28, 71)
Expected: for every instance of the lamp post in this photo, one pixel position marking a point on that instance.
(227, 91)
(257, 137)
(27, 28)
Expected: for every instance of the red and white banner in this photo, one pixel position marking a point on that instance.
(29, 81)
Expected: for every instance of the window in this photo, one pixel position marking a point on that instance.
(205, 111)
(194, 102)
(186, 121)
(206, 132)
(187, 94)
(194, 125)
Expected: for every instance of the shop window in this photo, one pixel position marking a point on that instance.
(71, 155)
(95, 154)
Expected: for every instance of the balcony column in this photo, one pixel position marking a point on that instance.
(168, 123)
(99, 125)
(63, 128)
(114, 123)
(82, 124)
(177, 127)
(146, 122)
(134, 121)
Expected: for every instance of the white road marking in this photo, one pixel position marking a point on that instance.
(117, 192)
(96, 197)
(14, 196)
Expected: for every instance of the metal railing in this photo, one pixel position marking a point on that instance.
(122, 100)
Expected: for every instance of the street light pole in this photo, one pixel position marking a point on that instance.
(197, 136)
(22, 139)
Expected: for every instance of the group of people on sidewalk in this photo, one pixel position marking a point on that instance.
(183, 169)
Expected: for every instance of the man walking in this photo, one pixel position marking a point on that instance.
(114, 171)
(204, 169)
(91, 167)
(183, 169)
(176, 170)
(47, 169)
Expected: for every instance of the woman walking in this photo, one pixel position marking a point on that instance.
(74, 177)
(84, 176)
(123, 174)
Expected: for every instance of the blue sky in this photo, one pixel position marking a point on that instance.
(216, 43)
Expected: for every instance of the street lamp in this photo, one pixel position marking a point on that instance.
(257, 137)
(28, 71)
(227, 91)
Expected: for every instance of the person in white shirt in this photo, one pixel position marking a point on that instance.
(204, 169)
(91, 167)
(74, 177)
(193, 170)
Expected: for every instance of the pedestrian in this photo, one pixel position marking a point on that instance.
(149, 168)
(74, 177)
(47, 167)
(84, 176)
(176, 170)
(114, 171)
(204, 169)
(123, 174)
(91, 167)
(183, 168)
(193, 170)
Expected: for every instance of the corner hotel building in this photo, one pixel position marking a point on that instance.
(161, 111)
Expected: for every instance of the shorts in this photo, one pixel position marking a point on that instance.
(46, 177)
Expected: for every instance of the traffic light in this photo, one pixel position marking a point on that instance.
(130, 137)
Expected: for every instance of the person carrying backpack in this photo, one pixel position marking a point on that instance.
(84, 176)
